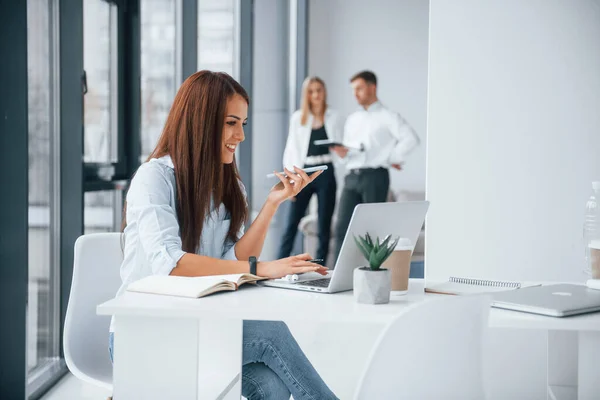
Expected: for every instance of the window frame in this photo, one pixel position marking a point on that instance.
(45, 372)
(125, 87)
(13, 213)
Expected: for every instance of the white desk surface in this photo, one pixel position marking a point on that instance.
(263, 303)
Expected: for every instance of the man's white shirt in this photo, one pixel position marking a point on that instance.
(385, 137)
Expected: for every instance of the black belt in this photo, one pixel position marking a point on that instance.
(358, 171)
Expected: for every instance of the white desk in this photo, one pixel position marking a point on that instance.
(168, 347)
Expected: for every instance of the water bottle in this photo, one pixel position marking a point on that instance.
(591, 229)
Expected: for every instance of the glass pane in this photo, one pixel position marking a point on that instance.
(216, 35)
(102, 211)
(42, 308)
(99, 63)
(158, 66)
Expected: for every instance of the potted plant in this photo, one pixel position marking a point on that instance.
(372, 284)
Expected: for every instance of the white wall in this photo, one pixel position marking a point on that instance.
(388, 37)
(513, 144)
(270, 110)
(269, 94)
(514, 136)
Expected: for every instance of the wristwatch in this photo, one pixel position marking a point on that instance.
(252, 261)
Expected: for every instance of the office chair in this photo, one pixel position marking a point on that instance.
(95, 280)
(431, 351)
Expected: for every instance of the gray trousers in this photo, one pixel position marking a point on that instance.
(365, 185)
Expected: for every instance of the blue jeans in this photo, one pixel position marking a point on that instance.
(273, 365)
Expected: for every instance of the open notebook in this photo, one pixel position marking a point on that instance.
(191, 287)
(458, 286)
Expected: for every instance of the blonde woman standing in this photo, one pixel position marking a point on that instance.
(314, 121)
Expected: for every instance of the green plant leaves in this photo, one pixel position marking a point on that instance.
(362, 246)
(386, 240)
(374, 261)
(369, 241)
(375, 252)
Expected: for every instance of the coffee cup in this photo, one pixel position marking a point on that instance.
(594, 251)
(399, 264)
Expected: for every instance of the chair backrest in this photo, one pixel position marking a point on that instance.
(432, 351)
(96, 279)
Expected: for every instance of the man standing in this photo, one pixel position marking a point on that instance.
(375, 139)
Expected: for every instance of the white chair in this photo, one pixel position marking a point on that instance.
(96, 279)
(432, 351)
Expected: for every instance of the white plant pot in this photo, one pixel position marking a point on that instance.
(372, 287)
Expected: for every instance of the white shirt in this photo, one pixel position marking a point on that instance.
(298, 141)
(383, 134)
(152, 242)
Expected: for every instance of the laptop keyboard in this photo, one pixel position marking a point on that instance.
(317, 282)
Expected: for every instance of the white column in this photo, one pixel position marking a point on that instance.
(589, 365)
(562, 365)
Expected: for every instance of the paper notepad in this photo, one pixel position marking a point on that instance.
(191, 287)
(462, 286)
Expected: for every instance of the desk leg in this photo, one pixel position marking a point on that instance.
(173, 358)
(589, 366)
(562, 365)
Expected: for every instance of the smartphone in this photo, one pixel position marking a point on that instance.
(307, 170)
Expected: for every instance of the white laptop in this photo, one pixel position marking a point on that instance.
(556, 300)
(404, 219)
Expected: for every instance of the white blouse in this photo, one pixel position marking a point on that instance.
(152, 239)
(298, 140)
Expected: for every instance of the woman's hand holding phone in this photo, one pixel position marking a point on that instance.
(290, 184)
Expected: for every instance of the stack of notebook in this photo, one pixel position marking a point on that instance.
(463, 286)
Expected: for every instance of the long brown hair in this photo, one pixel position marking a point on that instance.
(306, 105)
(192, 136)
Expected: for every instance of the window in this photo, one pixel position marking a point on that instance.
(100, 65)
(83, 146)
(217, 36)
(102, 212)
(158, 68)
(43, 326)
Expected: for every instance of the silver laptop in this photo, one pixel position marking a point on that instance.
(404, 219)
(556, 300)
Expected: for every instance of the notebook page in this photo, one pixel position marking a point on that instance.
(461, 288)
(179, 285)
(231, 277)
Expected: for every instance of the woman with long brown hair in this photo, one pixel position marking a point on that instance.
(185, 214)
(315, 120)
